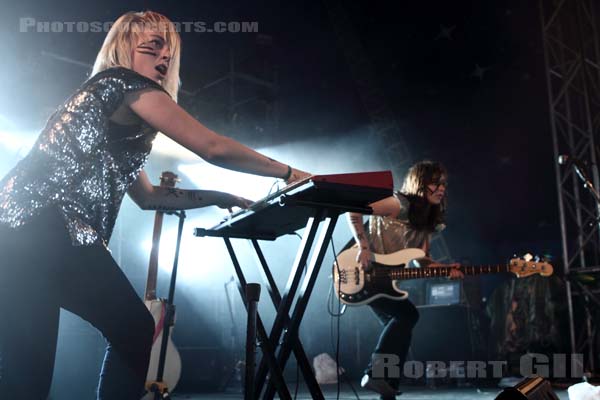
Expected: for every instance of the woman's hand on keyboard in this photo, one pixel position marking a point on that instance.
(297, 175)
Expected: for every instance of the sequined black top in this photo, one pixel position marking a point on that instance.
(82, 163)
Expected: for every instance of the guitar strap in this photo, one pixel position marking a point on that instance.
(161, 322)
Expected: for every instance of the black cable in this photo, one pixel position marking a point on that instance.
(338, 315)
(330, 309)
(337, 355)
(337, 347)
(274, 185)
(341, 309)
(297, 367)
(297, 380)
(352, 387)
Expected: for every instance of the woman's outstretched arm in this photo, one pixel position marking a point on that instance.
(150, 197)
(162, 113)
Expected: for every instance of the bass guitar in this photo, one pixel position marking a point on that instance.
(158, 308)
(356, 286)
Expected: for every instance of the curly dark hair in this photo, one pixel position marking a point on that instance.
(421, 214)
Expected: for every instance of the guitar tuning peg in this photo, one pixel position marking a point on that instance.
(537, 259)
(528, 257)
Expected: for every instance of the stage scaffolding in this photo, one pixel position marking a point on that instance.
(572, 60)
(243, 101)
(384, 125)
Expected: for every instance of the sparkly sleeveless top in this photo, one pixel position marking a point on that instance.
(388, 235)
(82, 163)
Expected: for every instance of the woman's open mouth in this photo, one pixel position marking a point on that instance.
(162, 69)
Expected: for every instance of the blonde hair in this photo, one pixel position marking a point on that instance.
(123, 37)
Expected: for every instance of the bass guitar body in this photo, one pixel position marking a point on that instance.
(354, 286)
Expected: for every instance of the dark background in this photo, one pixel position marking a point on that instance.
(490, 129)
(464, 79)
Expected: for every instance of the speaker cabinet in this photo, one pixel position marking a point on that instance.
(447, 333)
(202, 369)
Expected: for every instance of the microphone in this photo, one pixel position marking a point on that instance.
(565, 159)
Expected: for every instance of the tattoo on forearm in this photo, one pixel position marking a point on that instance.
(194, 196)
(179, 197)
(160, 207)
(173, 192)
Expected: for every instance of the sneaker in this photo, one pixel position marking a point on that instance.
(380, 386)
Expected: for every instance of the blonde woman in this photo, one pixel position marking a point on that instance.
(58, 207)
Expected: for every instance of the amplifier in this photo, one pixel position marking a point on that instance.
(202, 369)
(447, 333)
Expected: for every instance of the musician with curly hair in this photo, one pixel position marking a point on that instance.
(405, 220)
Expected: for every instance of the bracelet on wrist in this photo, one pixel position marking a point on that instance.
(288, 174)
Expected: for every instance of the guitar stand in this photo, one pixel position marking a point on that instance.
(282, 340)
(158, 388)
(235, 376)
(252, 296)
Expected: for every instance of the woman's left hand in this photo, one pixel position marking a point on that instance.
(456, 273)
(297, 175)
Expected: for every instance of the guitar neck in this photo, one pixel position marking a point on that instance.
(396, 273)
(150, 293)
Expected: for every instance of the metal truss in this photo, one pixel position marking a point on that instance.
(572, 58)
(244, 98)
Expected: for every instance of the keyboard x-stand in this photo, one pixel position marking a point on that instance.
(312, 203)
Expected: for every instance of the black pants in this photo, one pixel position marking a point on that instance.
(40, 272)
(398, 319)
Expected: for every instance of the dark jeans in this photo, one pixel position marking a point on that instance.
(40, 272)
(398, 319)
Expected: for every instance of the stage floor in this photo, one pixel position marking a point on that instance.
(410, 393)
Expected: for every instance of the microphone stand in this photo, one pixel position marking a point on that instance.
(237, 365)
(589, 296)
(587, 183)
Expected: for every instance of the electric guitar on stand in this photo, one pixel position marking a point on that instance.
(159, 308)
(355, 286)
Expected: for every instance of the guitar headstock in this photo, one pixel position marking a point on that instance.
(168, 179)
(526, 267)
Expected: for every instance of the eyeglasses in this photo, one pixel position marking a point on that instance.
(437, 184)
